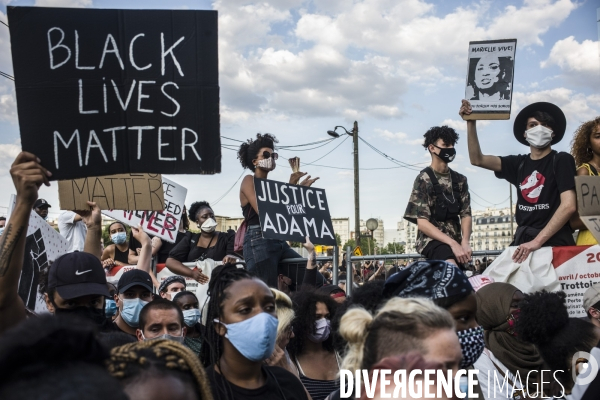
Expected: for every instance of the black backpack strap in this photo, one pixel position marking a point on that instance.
(593, 169)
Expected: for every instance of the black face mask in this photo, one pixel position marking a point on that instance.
(446, 155)
(96, 315)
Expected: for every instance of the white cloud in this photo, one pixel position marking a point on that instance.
(578, 107)
(580, 62)
(461, 125)
(8, 108)
(398, 137)
(8, 153)
(64, 3)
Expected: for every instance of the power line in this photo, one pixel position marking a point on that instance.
(4, 23)
(325, 141)
(392, 159)
(212, 203)
(329, 152)
(494, 204)
(4, 74)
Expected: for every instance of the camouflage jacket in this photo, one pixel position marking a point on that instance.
(422, 205)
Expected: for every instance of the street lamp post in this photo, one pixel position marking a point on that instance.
(372, 225)
(354, 135)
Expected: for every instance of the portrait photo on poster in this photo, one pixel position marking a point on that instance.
(490, 78)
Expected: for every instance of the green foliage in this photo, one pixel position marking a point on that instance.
(338, 240)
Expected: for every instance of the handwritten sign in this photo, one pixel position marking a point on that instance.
(103, 92)
(164, 223)
(490, 78)
(292, 212)
(115, 192)
(588, 202)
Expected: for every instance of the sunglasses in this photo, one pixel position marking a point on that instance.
(267, 155)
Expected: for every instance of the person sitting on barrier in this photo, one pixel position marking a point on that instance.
(116, 253)
(194, 335)
(171, 286)
(262, 255)
(544, 178)
(209, 243)
(564, 343)
(585, 148)
(440, 204)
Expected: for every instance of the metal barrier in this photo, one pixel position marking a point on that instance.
(350, 258)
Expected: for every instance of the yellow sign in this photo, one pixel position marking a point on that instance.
(357, 251)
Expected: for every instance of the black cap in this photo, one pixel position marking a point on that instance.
(520, 125)
(134, 277)
(77, 274)
(41, 203)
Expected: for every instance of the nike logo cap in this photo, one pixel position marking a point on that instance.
(77, 274)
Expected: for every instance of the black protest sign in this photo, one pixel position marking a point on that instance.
(292, 212)
(103, 92)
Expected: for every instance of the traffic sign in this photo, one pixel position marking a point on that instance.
(357, 251)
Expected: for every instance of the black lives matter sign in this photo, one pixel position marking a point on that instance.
(292, 212)
(102, 92)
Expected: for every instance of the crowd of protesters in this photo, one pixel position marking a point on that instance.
(272, 331)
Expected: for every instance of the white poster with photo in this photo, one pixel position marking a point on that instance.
(163, 224)
(43, 245)
(490, 77)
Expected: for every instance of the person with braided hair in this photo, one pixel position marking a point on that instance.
(159, 369)
(240, 335)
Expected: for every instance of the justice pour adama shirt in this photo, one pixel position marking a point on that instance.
(539, 186)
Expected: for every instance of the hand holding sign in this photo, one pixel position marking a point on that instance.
(28, 175)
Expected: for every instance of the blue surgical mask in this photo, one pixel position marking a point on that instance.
(255, 337)
(119, 237)
(131, 311)
(110, 308)
(191, 316)
(1, 230)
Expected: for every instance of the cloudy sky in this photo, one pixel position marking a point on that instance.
(298, 68)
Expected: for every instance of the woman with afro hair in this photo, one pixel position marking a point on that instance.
(262, 255)
(585, 148)
(544, 321)
(209, 243)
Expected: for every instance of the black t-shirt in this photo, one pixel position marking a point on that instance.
(280, 385)
(165, 249)
(539, 186)
(188, 251)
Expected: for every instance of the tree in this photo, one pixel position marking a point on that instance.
(338, 240)
(393, 248)
(367, 245)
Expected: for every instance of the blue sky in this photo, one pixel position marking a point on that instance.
(297, 68)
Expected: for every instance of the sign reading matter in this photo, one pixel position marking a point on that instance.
(115, 192)
(163, 224)
(588, 202)
(292, 212)
(103, 92)
(490, 78)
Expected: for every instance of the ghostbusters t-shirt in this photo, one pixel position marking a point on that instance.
(539, 185)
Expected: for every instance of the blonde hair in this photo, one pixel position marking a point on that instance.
(399, 326)
(285, 312)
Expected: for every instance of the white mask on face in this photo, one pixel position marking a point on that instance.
(266, 164)
(209, 225)
(539, 136)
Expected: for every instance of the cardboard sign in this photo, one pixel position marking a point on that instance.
(292, 212)
(490, 78)
(164, 223)
(103, 92)
(588, 202)
(577, 268)
(115, 192)
(42, 246)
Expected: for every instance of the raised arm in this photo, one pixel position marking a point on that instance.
(476, 157)
(93, 220)
(144, 261)
(28, 175)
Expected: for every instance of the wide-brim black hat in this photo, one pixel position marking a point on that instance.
(560, 120)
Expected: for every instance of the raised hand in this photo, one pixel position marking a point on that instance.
(307, 182)
(28, 175)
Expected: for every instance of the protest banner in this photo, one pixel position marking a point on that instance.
(577, 268)
(292, 212)
(103, 92)
(115, 192)
(163, 223)
(42, 246)
(588, 202)
(490, 78)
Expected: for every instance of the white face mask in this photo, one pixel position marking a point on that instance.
(209, 226)
(539, 136)
(266, 164)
